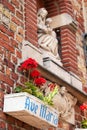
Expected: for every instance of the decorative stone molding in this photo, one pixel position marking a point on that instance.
(64, 102)
(58, 70)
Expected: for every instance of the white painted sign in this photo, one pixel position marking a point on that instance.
(31, 110)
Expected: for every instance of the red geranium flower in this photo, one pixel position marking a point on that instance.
(28, 64)
(83, 107)
(39, 81)
(35, 74)
(52, 86)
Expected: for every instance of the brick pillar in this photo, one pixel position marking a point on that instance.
(11, 36)
(68, 36)
(31, 21)
(69, 52)
(56, 7)
(52, 7)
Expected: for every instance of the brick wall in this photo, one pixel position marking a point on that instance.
(31, 21)
(58, 7)
(18, 21)
(11, 37)
(69, 52)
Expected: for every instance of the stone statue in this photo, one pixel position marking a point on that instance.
(46, 36)
(64, 102)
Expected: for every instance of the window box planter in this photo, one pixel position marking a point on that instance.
(30, 110)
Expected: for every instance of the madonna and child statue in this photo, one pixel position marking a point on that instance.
(47, 40)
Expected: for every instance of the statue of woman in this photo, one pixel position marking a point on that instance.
(46, 36)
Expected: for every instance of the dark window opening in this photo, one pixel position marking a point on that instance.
(57, 30)
(85, 46)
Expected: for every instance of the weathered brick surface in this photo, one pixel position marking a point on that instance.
(8, 5)
(69, 55)
(11, 25)
(31, 21)
(18, 21)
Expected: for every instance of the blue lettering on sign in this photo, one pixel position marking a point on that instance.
(55, 120)
(44, 112)
(27, 103)
(49, 116)
(30, 105)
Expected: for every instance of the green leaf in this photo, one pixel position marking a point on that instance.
(84, 123)
(27, 90)
(18, 89)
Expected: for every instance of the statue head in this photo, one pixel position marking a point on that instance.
(48, 21)
(42, 12)
(63, 90)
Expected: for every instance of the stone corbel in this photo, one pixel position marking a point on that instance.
(63, 20)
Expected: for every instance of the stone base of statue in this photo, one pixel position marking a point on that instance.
(49, 60)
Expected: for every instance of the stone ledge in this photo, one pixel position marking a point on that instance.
(59, 71)
(28, 51)
(56, 73)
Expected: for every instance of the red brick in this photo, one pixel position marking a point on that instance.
(6, 79)
(19, 15)
(51, 129)
(4, 37)
(33, 4)
(14, 76)
(31, 17)
(10, 127)
(9, 64)
(8, 89)
(8, 5)
(2, 87)
(31, 7)
(16, 128)
(10, 119)
(14, 43)
(27, 127)
(15, 2)
(8, 47)
(18, 123)
(18, 54)
(14, 59)
(6, 30)
(31, 25)
(2, 125)
(85, 89)
(1, 104)
(23, 79)
(32, 35)
(17, 21)
(2, 115)
(34, 42)
(1, 95)
(31, 22)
